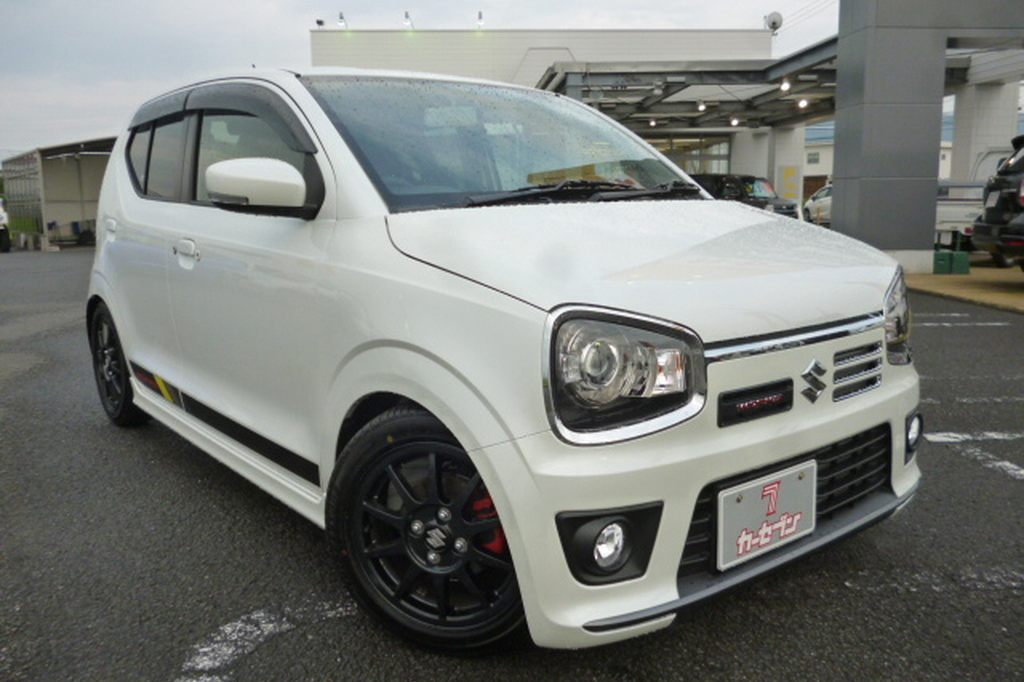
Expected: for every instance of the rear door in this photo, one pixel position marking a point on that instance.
(140, 215)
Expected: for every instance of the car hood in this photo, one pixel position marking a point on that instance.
(725, 270)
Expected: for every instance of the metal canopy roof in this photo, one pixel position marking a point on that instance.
(658, 98)
(98, 146)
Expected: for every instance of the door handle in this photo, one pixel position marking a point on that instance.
(186, 248)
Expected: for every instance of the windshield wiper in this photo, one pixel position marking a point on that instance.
(666, 190)
(566, 188)
(585, 190)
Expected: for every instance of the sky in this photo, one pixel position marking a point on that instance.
(73, 70)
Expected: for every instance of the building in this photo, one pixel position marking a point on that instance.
(52, 193)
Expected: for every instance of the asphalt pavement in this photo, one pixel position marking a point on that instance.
(131, 555)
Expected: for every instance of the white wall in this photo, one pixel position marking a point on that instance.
(750, 151)
(523, 56)
(71, 188)
(986, 120)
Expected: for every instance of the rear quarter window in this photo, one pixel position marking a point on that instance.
(138, 156)
(156, 154)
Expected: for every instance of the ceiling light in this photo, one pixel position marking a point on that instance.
(653, 123)
(701, 106)
(803, 103)
(785, 85)
(734, 121)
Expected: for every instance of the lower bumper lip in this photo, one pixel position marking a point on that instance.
(826, 533)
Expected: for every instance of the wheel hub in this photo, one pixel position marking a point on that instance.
(434, 540)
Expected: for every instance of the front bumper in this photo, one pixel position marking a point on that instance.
(542, 477)
(695, 589)
(1006, 239)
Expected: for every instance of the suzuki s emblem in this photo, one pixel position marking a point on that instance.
(815, 386)
(436, 538)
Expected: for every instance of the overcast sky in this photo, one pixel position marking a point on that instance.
(73, 70)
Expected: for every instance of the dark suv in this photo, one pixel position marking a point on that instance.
(747, 189)
(1000, 229)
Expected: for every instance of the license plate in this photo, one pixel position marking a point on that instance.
(763, 515)
(991, 200)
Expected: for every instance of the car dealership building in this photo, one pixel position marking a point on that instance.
(716, 101)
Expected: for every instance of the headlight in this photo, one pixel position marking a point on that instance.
(897, 321)
(613, 376)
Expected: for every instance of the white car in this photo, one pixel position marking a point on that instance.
(818, 209)
(522, 371)
(5, 236)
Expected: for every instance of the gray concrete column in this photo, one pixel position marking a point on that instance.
(891, 75)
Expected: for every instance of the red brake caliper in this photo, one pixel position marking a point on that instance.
(484, 509)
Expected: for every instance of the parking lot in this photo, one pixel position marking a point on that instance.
(130, 555)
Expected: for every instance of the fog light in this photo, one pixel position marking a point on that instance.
(610, 548)
(610, 545)
(915, 427)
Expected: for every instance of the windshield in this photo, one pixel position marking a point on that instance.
(759, 188)
(432, 144)
(1014, 164)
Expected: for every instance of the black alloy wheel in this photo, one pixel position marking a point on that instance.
(111, 370)
(424, 547)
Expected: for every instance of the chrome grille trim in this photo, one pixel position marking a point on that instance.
(753, 346)
(854, 390)
(845, 376)
(856, 371)
(856, 354)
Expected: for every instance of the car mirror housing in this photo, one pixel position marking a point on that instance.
(258, 186)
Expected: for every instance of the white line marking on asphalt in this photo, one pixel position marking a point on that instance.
(991, 400)
(212, 659)
(950, 437)
(990, 461)
(962, 444)
(1000, 400)
(962, 324)
(918, 316)
(977, 377)
(972, 579)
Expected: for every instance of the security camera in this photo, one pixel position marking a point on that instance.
(773, 21)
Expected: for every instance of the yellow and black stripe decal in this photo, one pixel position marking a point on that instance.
(264, 447)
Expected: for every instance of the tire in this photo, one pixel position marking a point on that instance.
(111, 370)
(421, 544)
(1004, 261)
(5, 241)
(807, 216)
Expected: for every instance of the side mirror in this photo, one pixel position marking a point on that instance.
(258, 186)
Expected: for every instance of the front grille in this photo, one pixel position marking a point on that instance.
(849, 471)
(857, 370)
